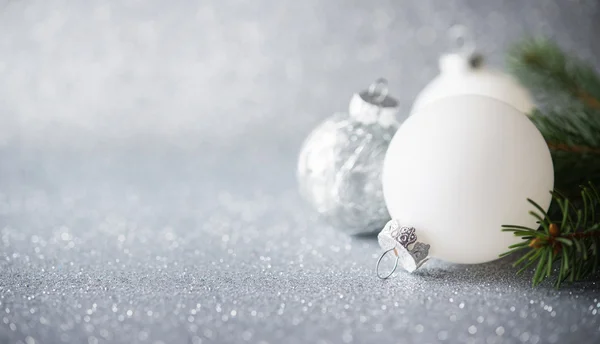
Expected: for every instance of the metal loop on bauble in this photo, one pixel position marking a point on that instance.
(379, 90)
(379, 263)
(462, 40)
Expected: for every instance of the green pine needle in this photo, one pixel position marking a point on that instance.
(568, 91)
(573, 251)
(566, 246)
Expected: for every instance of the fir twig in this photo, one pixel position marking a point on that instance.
(568, 91)
(562, 80)
(566, 248)
(563, 147)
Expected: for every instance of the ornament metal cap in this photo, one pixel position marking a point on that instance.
(397, 238)
(374, 105)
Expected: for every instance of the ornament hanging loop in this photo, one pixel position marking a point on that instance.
(398, 238)
(379, 90)
(379, 263)
(462, 40)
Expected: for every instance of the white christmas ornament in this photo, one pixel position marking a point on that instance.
(461, 74)
(457, 171)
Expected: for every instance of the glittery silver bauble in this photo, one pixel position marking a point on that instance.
(339, 169)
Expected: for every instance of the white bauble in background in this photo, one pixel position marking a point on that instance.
(458, 76)
(460, 169)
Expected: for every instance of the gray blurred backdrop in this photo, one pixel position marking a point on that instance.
(147, 161)
(226, 72)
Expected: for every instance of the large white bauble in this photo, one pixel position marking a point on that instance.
(460, 169)
(458, 77)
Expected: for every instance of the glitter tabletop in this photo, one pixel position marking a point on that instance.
(147, 175)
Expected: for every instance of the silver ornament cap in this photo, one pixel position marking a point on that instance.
(340, 163)
(374, 106)
(396, 238)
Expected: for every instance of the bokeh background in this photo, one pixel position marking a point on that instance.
(147, 173)
(228, 72)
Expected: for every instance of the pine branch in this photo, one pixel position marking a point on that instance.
(568, 91)
(574, 141)
(563, 147)
(561, 81)
(565, 247)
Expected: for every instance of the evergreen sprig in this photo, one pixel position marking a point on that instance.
(574, 142)
(568, 91)
(557, 79)
(567, 245)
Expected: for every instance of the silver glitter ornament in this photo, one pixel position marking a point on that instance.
(339, 170)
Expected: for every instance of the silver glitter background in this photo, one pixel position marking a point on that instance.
(147, 174)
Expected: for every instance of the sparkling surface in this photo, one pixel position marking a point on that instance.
(147, 175)
(157, 247)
